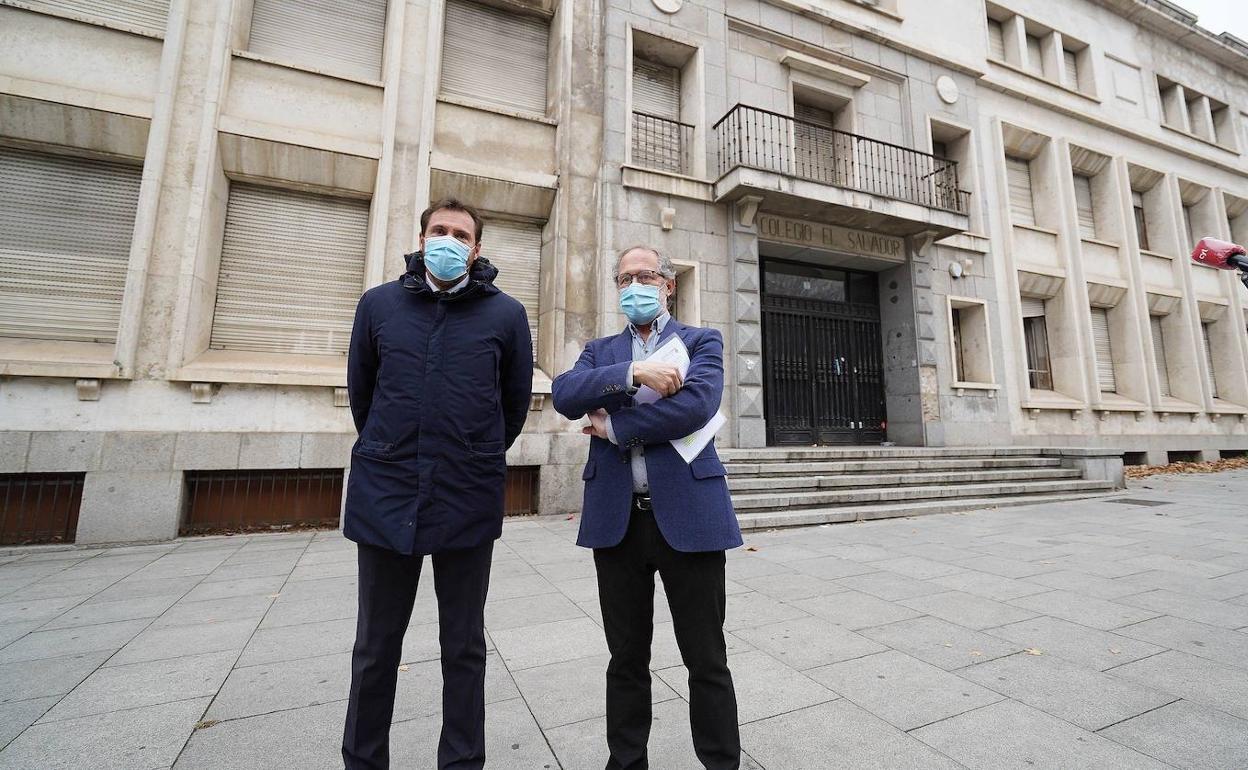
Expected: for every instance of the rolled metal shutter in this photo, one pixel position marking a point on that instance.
(1159, 353)
(1022, 207)
(656, 89)
(1072, 69)
(1083, 202)
(1213, 379)
(1141, 223)
(1032, 306)
(65, 231)
(495, 56)
(515, 248)
(292, 270)
(150, 15)
(1104, 351)
(334, 35)
(1035, 57)
(996, 39)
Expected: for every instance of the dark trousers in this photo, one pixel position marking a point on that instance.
(695, 592)
(387, 592)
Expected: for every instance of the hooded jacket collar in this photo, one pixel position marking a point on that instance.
(480, 279)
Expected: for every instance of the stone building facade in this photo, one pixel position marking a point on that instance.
(932, 223)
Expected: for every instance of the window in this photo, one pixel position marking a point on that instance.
(1187, 228)
(1084, 205)
(1208, 348)
(1198, 117)
(996, 39)
(1035, 55)
(1036, 337)
(335, 35)
(1159, 353)
(1104, 351)
(515, 248)
(1071, 61)
(496, 57)
(65, 231)
(660, 140)
(1141, 222)
(149, 15)
(292, 268)
(971, 352)
(1022, 205)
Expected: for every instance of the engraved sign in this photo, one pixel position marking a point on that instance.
(817, 235)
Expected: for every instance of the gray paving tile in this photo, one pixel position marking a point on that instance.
(754, 609)
(1186, 735)
(1203, 641)
(790, 586)
(664, 653)
(829, 567)
(548, 643)
(27, 679)
(522, 585)
(1081, 582)
(835, 736)
(1004, 567)
(419, 690)
(15, 717)
(176, 641)
(987, 585)
(149, 737)
(584, 744)
(186, 613)
(890, 586)
(1082, 696)
(764, 686)
(111, 612)
(752, 565)
(137, 588)
(1171, 563)
(529, 611)
(1218, 589)
(1009, 734)
(808, 642)
(864, 552)
(904, 691)
(36, 610)
(307, 738)
(225, 589)
(854, 609)
(939, 642)
(271, 645)
(1178, 605)
(1084, 646)
(574, 691)
(72, 641)
(13, 631)
(967, 610)
(116, 688)
(294, 610)
(1192, 678)
(917, 567)
(276, 686)
(1084, 610)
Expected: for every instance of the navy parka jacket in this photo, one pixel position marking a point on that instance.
(439, 386)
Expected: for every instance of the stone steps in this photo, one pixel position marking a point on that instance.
(775, 484)
(749, 503)
(850, 513)
(802, 468)
(807, 454)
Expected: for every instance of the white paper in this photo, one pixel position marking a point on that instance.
(690, 446)
(674, 352)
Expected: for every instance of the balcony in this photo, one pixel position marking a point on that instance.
(803, 169)
(660, 144)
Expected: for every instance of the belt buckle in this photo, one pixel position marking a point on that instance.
(643, 503)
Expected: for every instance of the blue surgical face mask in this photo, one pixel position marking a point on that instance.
(446, 258)
(640, 302)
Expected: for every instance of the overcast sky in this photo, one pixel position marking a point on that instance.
(1220, 15)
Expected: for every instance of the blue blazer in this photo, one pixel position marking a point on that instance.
(691, 502)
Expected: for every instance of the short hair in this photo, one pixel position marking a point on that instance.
(452, 204)
(666, 268)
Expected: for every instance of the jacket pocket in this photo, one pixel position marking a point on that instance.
(380, 450)
(486, 447)
(707, 467)
(591, 468)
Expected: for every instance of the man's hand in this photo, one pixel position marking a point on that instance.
(664, 378)
(597, 424)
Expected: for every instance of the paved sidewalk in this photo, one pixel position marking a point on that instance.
(1098, 634)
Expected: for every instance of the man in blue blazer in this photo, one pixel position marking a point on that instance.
(647, 510)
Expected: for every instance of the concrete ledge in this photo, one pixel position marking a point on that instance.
(129, 506)
(1096, 464)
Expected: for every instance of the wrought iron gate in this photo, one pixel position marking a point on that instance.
(822, 356)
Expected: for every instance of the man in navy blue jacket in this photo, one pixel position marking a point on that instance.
(440, 375)
(647, 510)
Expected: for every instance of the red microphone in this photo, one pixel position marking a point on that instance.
(1223, 255)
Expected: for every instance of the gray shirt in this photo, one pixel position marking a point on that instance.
(642, 349)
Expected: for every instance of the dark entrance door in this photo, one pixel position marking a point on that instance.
(822, 355)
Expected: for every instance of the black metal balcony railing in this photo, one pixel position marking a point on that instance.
(662, 144)
(760, 139)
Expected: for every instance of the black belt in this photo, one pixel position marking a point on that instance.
(642, 502)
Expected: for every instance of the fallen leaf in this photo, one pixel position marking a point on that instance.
(404, 668)
(205, 724)
(1046, 562)
(571, 516)
(947, 644)
(1115, 651)
(977, 653)
(750, 548)
(274, 596)
(1033, 651)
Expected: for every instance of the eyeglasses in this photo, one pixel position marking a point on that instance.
(648, 277)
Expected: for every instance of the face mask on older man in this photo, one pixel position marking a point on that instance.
(640, 302)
